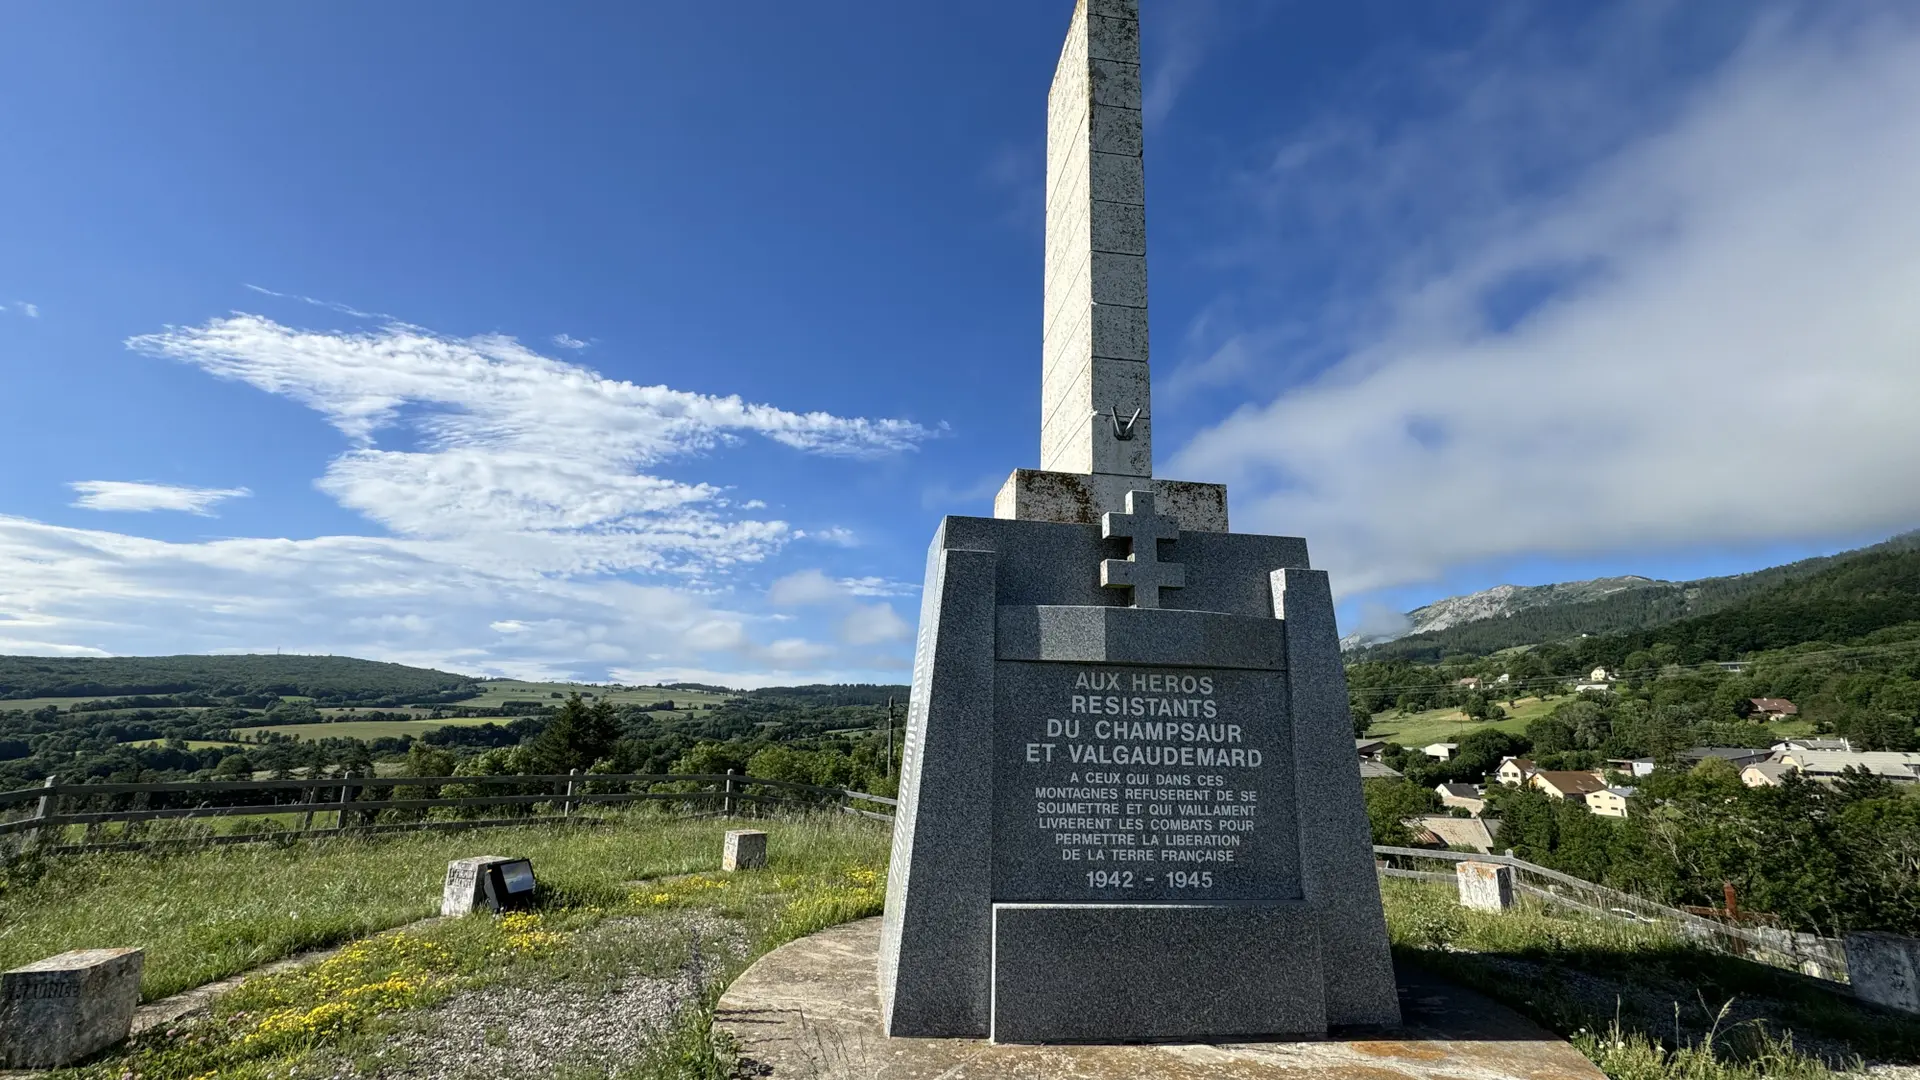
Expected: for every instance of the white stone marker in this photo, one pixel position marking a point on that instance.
(466, 886)
(61, 1009)
(1885, 969)
(1485, 886)
(746, 850)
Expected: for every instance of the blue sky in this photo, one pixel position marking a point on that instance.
(645, 342)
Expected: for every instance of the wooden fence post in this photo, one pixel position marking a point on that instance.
(44, 808)
(134, 830)
(309, 795)
(566, 808)
(346, 796)
(726, 800)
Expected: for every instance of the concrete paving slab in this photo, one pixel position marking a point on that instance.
(811, 1009)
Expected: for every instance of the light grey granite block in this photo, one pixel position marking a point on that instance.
(1484, 886)
(1885, 969)
(1125, 635)
(1336, 843)
(57, 1011)
(936, 938)
(465, 887)
(746, 850)
(1127, 973)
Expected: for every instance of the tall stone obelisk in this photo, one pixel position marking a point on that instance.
(1096, 407)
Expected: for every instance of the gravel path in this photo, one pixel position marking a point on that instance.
(532, 1030)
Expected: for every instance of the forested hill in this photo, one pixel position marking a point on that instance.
(328, 680)
(1636, 613)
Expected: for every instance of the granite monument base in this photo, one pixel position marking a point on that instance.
(1127, 973)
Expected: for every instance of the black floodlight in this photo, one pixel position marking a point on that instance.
(509, 885)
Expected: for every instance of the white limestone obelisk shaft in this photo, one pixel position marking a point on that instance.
(1095, 352)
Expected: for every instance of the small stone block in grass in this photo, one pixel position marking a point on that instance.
(746, 850)
(1885, 969)
(59, 1010)
(1485, 886)
(465, 890)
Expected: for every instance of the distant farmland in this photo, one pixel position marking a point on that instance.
(496, 693)
(370, 729)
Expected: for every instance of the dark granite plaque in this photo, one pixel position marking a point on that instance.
(1138, 784)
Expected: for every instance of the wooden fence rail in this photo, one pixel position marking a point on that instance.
(42, 816)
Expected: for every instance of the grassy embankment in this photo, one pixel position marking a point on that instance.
(1639, 1001)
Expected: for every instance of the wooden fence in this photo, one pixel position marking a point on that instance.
(45, 819)
(123, 816)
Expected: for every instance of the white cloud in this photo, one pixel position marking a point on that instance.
(874, 625)
(137, 497)
(877, 586)
(568, 341)
(31, 311)
(1726, 353)
(837, 536)
(525, 459)
(753, 504)
(804, 587)
(524, 535)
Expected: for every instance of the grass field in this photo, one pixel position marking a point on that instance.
(207, 913)
(370, 729)
(495, 693)
(1447, 725)
(65, 703)
(192, 744)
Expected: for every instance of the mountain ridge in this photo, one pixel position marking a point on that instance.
(1507, 616)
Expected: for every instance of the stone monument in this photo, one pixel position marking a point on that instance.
(1128, 807)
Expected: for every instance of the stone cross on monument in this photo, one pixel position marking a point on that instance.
(1142, 571)
(1123, 822)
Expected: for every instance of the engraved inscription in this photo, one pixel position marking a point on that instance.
(1118, 782)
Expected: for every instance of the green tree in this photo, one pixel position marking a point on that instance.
(578, 735)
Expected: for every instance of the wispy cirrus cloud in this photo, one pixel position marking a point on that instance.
(137, 497)
(523, 529)
(523, 456)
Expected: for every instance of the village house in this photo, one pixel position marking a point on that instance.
(1369, 748)
(1471, 682)
(1377, 770)
(1765, 773)
(1440, 830)
(1440, 751)
(1465, 796)
(1737, 756)
(1514, 771)
(1771, 708)
(1567, 785)
(1610, 801)
(1828, 765)
(1785, 745)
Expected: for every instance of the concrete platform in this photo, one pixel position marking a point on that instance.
(810, 1009)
